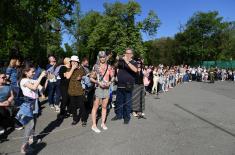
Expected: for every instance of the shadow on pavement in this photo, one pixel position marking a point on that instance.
(205, 120)
(38, 147)
(50, 127)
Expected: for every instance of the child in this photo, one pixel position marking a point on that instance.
(29, 107)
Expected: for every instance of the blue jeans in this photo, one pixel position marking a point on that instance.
(16, 93)
(123, 104)
(57, 93)
(51, 93)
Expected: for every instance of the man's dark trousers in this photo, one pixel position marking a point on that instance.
(123, 104)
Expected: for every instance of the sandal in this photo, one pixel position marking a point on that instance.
(135, 114)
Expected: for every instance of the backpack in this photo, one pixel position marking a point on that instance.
(86, 82)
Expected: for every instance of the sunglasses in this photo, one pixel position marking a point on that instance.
(3, 77)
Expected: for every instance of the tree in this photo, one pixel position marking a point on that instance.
(32, 26)
(161, 51)
(68, 50)
(86, 25)
(151, 23)
(205, 36)
(114, 30)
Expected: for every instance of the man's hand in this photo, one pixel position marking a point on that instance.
(79, 78)
(126, 60)
(74, 65)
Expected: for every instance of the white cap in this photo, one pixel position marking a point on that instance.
(74, 58)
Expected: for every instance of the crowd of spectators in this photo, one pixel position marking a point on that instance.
(70, 84)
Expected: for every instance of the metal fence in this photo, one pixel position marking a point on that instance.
(219, 64)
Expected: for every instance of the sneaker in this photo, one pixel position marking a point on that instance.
(52, 107)
(104, 127)
(126, 121)
(57, 109)
(74, 122)
(95, 129)
(115, 118)
(19, 127)
(2, 131)
(84, 124)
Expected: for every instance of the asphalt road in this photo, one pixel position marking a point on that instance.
(191, 119)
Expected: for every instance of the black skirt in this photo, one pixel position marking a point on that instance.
(138, 98)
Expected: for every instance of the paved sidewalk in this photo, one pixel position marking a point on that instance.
(191, 119)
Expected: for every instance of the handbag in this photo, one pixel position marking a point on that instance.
(102, 78)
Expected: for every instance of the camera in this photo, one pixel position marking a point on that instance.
(119, 57)
(120, 62)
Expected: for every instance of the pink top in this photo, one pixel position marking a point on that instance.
(100, 72)
(146, 77)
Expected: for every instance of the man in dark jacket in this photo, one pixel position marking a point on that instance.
(127, 69)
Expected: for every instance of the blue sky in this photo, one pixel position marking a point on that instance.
(172, 13)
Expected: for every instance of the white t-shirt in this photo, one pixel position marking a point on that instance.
(26, 91)
(193, 71)
(155, 76)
